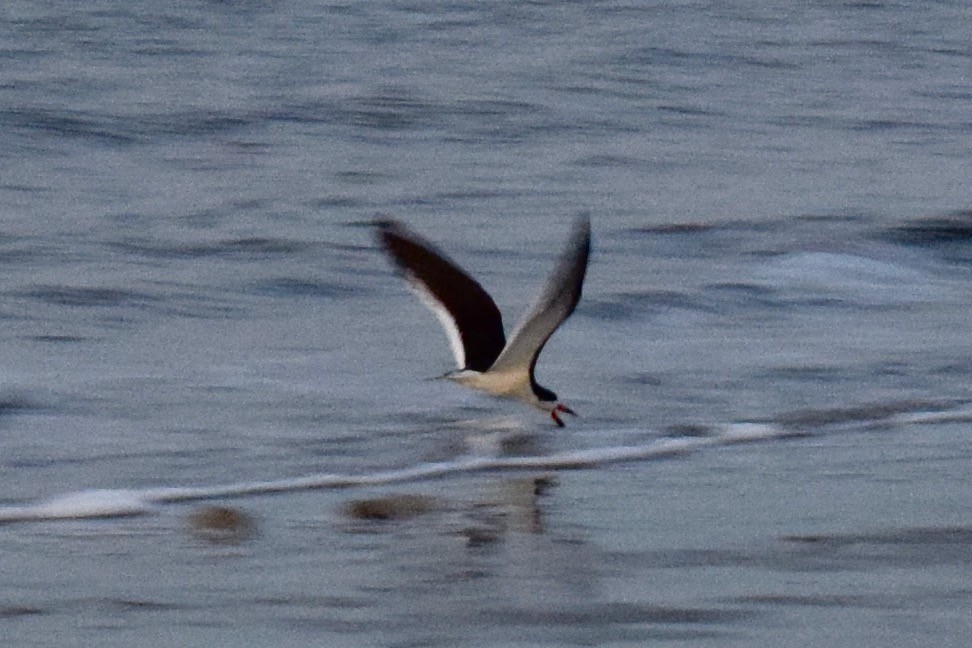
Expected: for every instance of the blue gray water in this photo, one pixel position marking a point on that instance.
(771, 360)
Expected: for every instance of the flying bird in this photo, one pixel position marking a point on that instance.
(486, 360)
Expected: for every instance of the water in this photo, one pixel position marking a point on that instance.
(771, 359)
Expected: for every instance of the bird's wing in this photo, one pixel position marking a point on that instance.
(553, 306)
(466, 311)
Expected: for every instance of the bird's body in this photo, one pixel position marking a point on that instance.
(486, 360)
(511, 384)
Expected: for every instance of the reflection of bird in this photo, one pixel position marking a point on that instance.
(485, 359)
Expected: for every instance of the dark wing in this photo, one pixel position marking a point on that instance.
(466, 311)
(553, 306)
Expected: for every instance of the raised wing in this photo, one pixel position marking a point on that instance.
(468, 314)
(553, 306)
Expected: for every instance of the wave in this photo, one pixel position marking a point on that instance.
(114, 503)
(815, 276)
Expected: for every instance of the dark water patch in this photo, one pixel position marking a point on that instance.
(391, 111)
(835, 304)
(859, 601)
(689, 110)
(496, 107)
(17, 611)
(38, 460)
(97, 297)
(669, 229)
(852, 218)
(912, 133)
(246, 247)
(167, 48)
(191, 124)
(67, 124)
(367, 223)
(959, 367)
(58, 339)
(745, 294)
(261, 246)
(695, 59)
(644, 378)
(891, 369)
(877, 125)
(613, 161)
(359, 177)
(125, 605)
(122, 129)
(908, 548)
(362, 628)
(686, 558)
(199, 307)
(337, 202)
(12, 403)
(912, 548)
(606, 160)
(750, 290)
(702, 239)
(400, 110)
(159, 250)
(639, 304)
(683, 430)
(95, 605)
(824, 374)
(473, 195)
(249, 204)
(766, 238)
(951, 535)
(25, 189)
(36, 253)
(876, 414)
(293, 287)
(602, 614)
(322, 602)
(959, 94)
(948, 230)
(865, 4)
(416, 200)
(125, 306)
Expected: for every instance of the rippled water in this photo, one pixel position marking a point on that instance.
(215, 427)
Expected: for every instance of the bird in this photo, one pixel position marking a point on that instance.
(486, 360)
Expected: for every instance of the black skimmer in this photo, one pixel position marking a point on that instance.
(486, 360)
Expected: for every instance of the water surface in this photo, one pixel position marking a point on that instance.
(771, 359)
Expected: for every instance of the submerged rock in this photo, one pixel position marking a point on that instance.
(392, 507)
(221, 525)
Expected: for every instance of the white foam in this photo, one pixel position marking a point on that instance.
(746, 432)
(117, 503)
(83, 504)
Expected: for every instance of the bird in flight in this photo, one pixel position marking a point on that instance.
(486, 360)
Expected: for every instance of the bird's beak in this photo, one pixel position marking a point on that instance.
(567, 410)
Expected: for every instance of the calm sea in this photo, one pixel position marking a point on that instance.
(213, 384)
